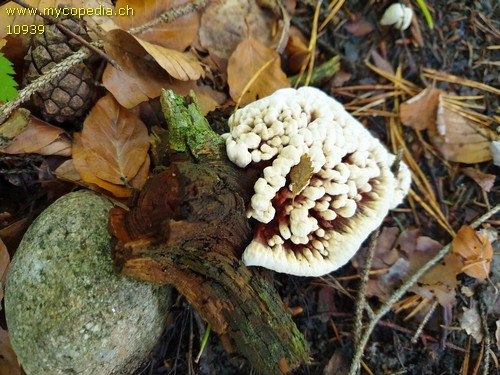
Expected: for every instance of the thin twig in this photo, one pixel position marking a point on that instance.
(486, 332)
(396, 296)
(361, 299)
(424, 321)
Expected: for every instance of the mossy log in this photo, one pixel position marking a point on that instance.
(188, 228)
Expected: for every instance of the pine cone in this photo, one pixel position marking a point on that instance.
(69, 97)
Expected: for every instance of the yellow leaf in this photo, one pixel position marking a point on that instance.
(254, 72)
(300, 175)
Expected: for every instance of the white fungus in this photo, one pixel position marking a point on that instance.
(397, 15)
(348, 195)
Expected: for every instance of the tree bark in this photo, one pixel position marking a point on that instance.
(189, 228)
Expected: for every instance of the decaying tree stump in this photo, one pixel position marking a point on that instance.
(189, 228)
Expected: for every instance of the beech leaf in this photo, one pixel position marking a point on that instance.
(122, 46)
(225, 24)
(420, 111)
(113, 146)
(484, 180)
(476, 251)
(177, 34)
(254, 71)
(41, 138)
(460, 139)
(181, 66)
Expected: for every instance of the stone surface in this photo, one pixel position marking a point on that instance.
(67, 311)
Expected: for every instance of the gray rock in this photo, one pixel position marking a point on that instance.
(67, 311)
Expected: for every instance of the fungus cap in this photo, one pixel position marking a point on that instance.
(350, 189)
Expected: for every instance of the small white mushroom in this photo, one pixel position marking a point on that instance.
(348, 195)
(397, 15)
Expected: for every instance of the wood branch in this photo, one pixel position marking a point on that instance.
(188, 229)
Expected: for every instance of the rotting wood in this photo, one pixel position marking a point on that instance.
(189, 228)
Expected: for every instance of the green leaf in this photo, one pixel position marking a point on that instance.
(8, 85)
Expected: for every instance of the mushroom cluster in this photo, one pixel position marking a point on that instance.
(346, 195)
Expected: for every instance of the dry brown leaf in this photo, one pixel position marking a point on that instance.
(476, 251)
(140, 79)
(420, 111)
(339, 363)
(136, 85)
(297, 51)
(4, 266)
(360, 27)
(471, 322)
(256, 69)
(458, 138)
(41, 138)
(386, 257)
(225, 23)
(177, 34)
(80, 157)
(382, 63)
(117, 138)
(440, 281)
(122, 46)
(485, 180)
(386, 252)
(402, 257)
(8, 359)
(180, 65)
(113, 147)
(340, 78)
(67, 171)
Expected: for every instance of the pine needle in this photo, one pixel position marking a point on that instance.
(425, 301)
(309, 63)
(334, 7)
(445, 77)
